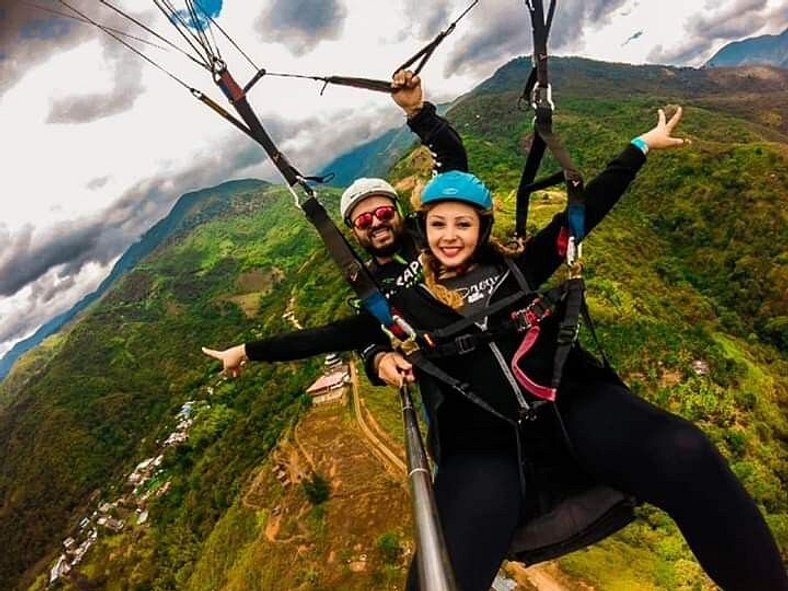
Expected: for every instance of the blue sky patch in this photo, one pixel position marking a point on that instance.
(211, 8)
(48, 28)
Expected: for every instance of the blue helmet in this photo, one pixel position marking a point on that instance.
(457, 186)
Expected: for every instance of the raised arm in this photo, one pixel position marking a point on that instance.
(542, 256)
(434, 131)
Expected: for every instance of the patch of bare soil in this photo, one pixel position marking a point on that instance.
(338, 543)
(542, 577)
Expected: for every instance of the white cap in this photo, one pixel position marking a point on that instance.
(361, 189)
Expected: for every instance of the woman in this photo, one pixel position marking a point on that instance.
(486, 437)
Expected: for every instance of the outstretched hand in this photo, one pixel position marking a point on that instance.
(661, 136)
(407, 91)
(233, 359)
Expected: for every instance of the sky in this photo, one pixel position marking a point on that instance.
(97, 144)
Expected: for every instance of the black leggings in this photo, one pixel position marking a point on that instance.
(662, 459)
(627, 443)
(479, 502)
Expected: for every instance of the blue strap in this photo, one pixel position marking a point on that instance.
(377, 305)
(577, 220)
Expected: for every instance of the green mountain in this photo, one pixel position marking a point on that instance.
(178, 218)
(686, 281)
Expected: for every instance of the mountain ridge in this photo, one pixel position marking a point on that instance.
(769, 50)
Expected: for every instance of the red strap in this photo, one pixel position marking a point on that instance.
(562, 242)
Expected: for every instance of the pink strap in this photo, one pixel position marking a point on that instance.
(544, 392)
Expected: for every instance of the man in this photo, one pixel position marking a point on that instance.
(370, 207)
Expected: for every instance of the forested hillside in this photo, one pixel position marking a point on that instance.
(686, 280)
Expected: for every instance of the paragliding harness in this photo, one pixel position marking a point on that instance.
(567, 509)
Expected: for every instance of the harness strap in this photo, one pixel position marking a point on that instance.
(567, 330)
(572, 176)
(539, 92)
(525, 189)
(518, 276)
(365, 83)
(426, 52)
(237, 98)
(423, 54)
(590, 324)
(469, 321)
(352, 268)
(544, 392)
(520, 321)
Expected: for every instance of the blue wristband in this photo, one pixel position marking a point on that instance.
(640, 144)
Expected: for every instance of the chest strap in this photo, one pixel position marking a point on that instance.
(519, 321)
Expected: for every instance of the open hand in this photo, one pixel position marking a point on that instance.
(661, 136)
(233, 359)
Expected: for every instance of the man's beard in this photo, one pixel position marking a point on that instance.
(384, 251)
(387, 250)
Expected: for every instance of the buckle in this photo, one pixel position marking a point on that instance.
(542, 97)
(465, 344)
(409, 344)
(531, 315)
(574, 252)
(521, 319)
(402, 324)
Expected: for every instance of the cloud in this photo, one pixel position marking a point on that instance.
(705, 31)
(301, 24)
(68, 246)
(45, 271)
(29, 35)
(97, 183)
(424, 20)
(309, 152)
(126, 88)
(25, 260)
(496, 34)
